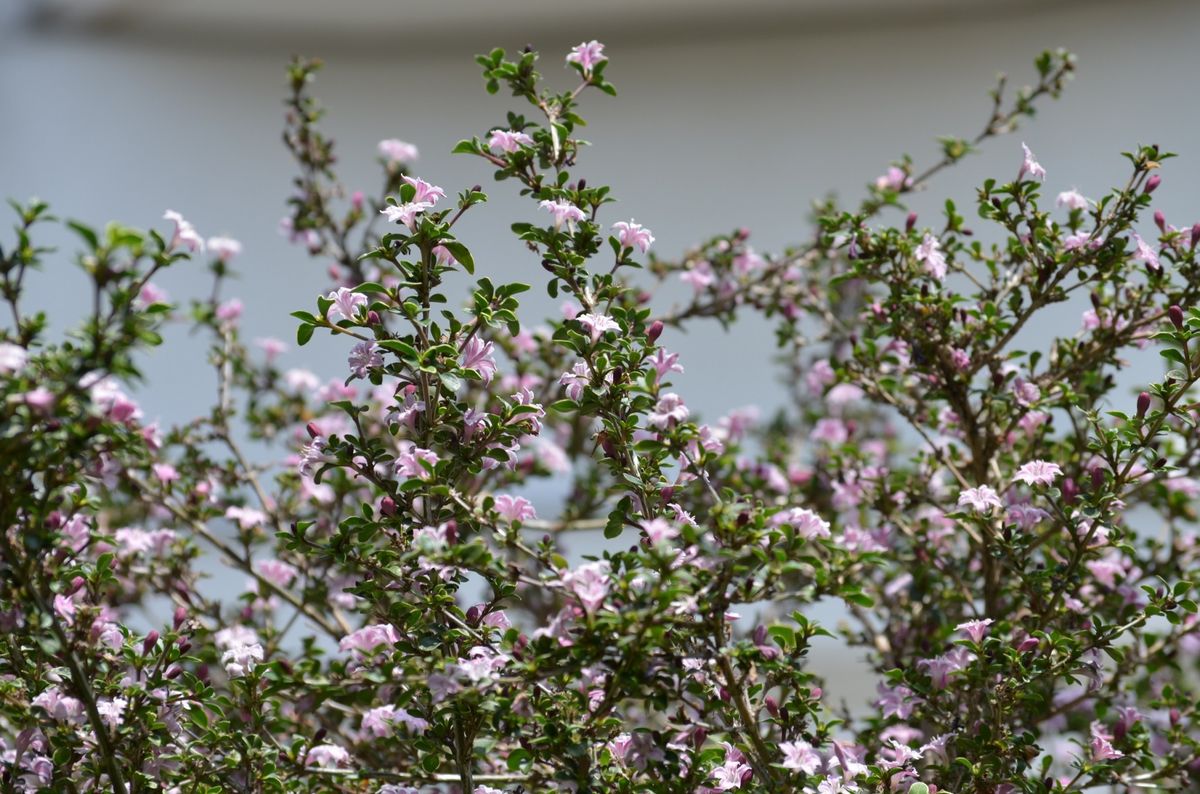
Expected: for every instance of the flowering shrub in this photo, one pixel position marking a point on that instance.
(1014, 556)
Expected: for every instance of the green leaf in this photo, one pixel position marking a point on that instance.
(462, 254)
(303, 334)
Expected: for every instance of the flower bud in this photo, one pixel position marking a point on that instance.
(388, 506)
(747, 775)
(760, 634)
(373, 318)
(699, 737)
(654, 331)
(180, 616)
(910, 222)
(184, 644)
(173, 672)
(1160, 220)
(1097, 478)
(1070, 490)
(772, 705)
(76, 585)
(54, 520)
(452, 532)
(1176, 315)
(319, 735)
(1195, 234)
(1152, 184)
(149, 643)
(1143, 404)
(313, 430)
(474, 614)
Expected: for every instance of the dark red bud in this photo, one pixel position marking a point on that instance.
(910, 222)
(388, 506)
(313, 430)
(173, 672)
(1143, 404)
(184, 645)
(1070, 490)
(149, 643)
(76, 585)
(1096, 301)
(699, 737)
(319, 735)
(1152, 184)
(1097, 478)
(180, 616)
(54, 520)
(772, 705)
(583, 184)
(1160, 220)
(476, 188)
(747, 775)
(452, 532)
(654, 331)
(724, 694)
(1195, 234)
(373, 318)
(474, 614)
(1176, 315)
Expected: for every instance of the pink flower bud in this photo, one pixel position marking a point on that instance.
(388, 506)
(1143, 404)
(1160, 220)
(772, 705)
(1176, 315)
(54, 520)
(184, 645)
(654, 331)
(76, 585)
(173, 672)
(149, 643)
(356, 201)
(313, 430)
(373, 318)
(1195, 234)
(910, 222)
(180, 616)
(1152, 184)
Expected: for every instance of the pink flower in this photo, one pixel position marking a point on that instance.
(59, 706)
(364, 357)
(224, 248)
(576, 379)
(230, 311)
(514, 508)
(1037, 472)
(241, 659)
(380, 722)
(425, 192)
(64, 606)
(597, 324)
(960, 358)
(397, 152)
(659, 529)
(443, 256)
(633, 235)
(1030, 166)
(981, 499)
(563, 212)
(732, 774)
(346, 304)
(149, 295)
(405, 213)
(1144, 253)
(246, 517)
(929, 253)
(895, 180)
(40, 399)
(165, 472)
(587, 54)
(328, 756)
(800, 756)
(1072, 199)
(277, 572)
(413, 461)
(589, 583)
(668, 411)
(12, 357)
(370, 639)
(975, 629)
(477, 355)
(185, 234)
(507, 141)
(665, 363)
(1102, 749)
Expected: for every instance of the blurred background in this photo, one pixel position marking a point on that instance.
(729, 114)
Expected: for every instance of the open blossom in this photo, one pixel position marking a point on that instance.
(589, 583)
(328, 756)
(981, 499)
(1072, 200)
(277, 572)
(405, 213)
(807, 524)
(597, 324)
(185, 234)
(224, 248)
(1102, 748)
(507, 141)
(579, 376)
(1037, 472)
(587, 54)
(425, 193)
(894, 179)
(368, 639)
(12, 357)
(633, 235)
(1144, 253)
(731, 774)
(563, 212)
(668, 410)
(477, 355)
(382, 721)
(514, 508)
(1030, 166)
(246, 517)
(364, 357)
(659, 530)
(241, 659)
(975, 629)
(929, 254)
(59, 706)
(412, 462)
(800, 756)
(397, 152)
(665, 363)
(346, 304)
